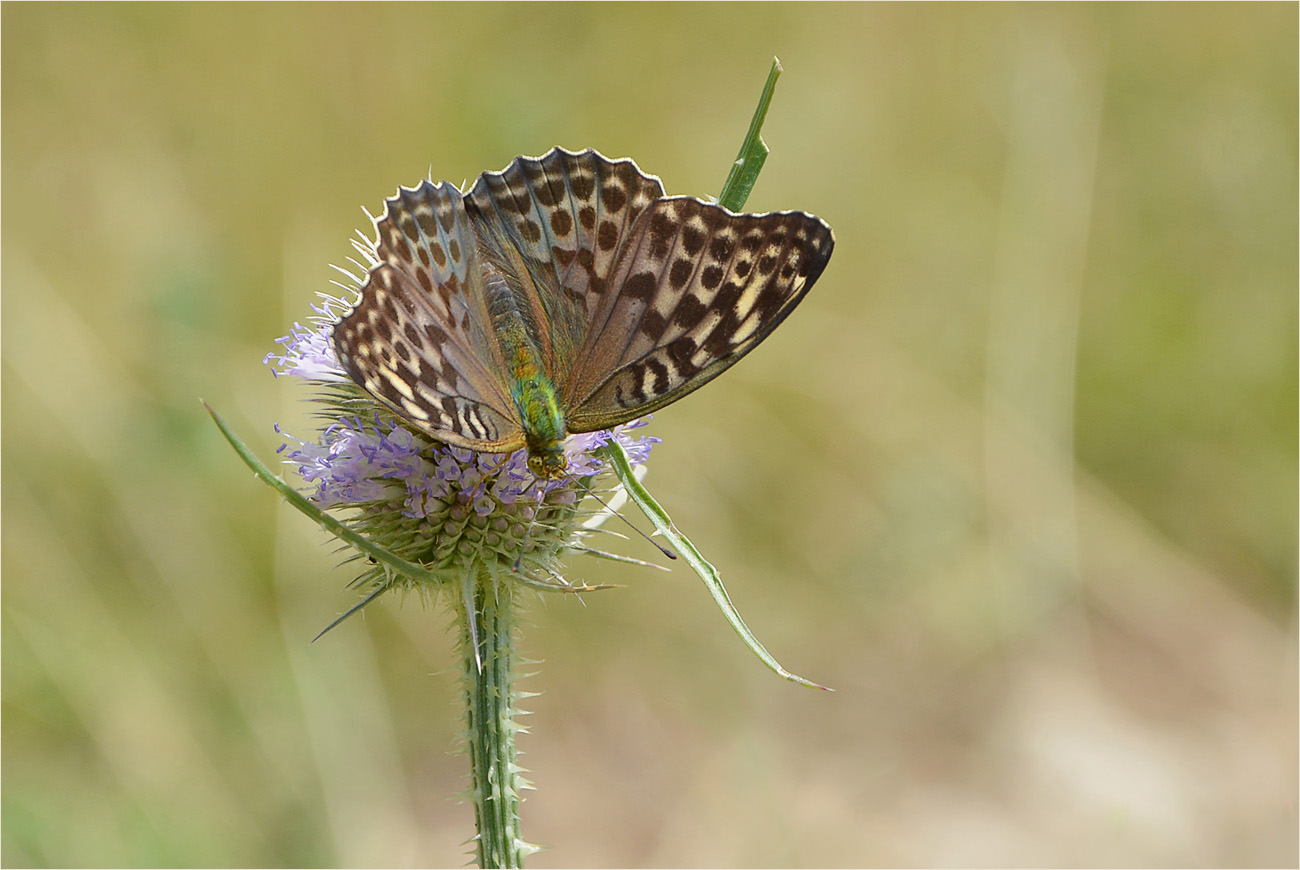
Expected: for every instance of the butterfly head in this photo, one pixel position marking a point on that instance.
(548, 461)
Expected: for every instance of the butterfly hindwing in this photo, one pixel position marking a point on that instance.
(419, 338)
(694, 289)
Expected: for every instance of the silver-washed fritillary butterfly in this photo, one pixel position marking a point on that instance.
(564, 294)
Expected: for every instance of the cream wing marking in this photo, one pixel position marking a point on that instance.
(419, 339)
(699, 287)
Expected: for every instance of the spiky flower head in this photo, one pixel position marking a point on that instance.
(443, 507)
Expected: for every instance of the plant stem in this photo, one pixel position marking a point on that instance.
(486, 616)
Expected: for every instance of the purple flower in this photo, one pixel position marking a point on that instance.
(308, 353)
(426, 500)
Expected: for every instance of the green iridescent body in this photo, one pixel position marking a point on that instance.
(538, 406)
(535, 398)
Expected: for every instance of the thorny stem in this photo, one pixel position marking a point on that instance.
(486, 620)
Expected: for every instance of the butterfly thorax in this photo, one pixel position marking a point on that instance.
(535, 397)
(544, 432)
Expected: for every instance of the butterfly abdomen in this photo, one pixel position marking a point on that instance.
(535, 398)
(537, 405)
(539, 410)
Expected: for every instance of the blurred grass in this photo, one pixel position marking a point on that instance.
(1018, 478)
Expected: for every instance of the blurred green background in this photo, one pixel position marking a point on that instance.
(1018, 478)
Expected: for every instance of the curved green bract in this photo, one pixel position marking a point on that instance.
(712, 580)
(324, 520)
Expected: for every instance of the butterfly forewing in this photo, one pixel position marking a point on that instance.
(698, 287)
(567, 214)
(419, 339)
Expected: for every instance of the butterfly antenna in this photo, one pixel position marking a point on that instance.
(588, 490)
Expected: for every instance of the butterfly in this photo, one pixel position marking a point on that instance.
(564, 294)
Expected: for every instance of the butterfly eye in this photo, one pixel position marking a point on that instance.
(548, 466)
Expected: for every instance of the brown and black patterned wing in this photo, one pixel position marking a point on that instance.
(419, 338)
(694, 289)
(567, 214)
